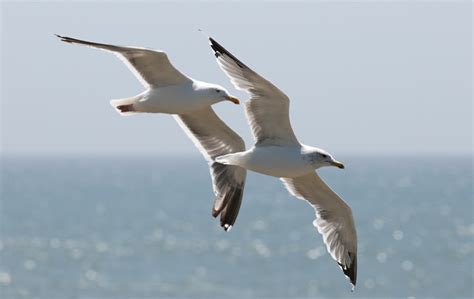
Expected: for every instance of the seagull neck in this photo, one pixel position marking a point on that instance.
(312, 158)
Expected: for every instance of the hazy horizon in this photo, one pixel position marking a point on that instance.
(363, 78)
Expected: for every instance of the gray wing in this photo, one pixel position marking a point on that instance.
(214, 138)
(152, 68)
(268, 108)
(333, 220)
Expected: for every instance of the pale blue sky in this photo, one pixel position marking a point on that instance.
(363, 77)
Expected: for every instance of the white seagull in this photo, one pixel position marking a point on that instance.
(277, 152)
(167, 90)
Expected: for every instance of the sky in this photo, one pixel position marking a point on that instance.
(371, 78)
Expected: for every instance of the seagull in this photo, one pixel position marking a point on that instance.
(167, 90)
(277, 152)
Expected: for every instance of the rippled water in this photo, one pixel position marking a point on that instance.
(127, 228)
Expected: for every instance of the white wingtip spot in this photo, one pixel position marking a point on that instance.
(227, 227)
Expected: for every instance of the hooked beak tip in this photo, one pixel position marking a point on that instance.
(338, 164)
(233, 100)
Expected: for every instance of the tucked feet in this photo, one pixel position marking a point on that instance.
(125, 108)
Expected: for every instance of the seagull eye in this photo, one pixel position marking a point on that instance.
(324, 156)
(218, 91)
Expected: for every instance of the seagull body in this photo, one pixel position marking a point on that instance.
(277, 152)
(277, 161)
(175, 99)
(169, 91)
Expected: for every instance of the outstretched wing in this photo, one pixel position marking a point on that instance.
(214, 138)
(333, 220)
(268, 108)
(151, 67)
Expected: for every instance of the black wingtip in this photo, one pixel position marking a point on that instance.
(229, 192)
(59, 36)
(64, 38)
(216, 48)
(220, 50)
(351, 271)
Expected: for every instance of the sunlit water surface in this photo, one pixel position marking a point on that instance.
(128, 228)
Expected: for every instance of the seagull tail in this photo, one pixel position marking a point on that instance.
(125, 106)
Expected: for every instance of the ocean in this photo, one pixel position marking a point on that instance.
(127, 227)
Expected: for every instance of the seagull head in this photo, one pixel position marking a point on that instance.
(320, 158)
(223, 95)
(331, 161)
(216, 93)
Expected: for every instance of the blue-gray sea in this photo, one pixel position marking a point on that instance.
(125, 227)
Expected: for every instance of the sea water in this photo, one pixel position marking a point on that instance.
(129, 227)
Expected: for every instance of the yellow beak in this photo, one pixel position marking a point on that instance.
(338, 164)
(233, 100)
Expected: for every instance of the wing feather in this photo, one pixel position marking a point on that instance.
(214, 138)
(151, 67)
(334, 220)
(268, 108)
